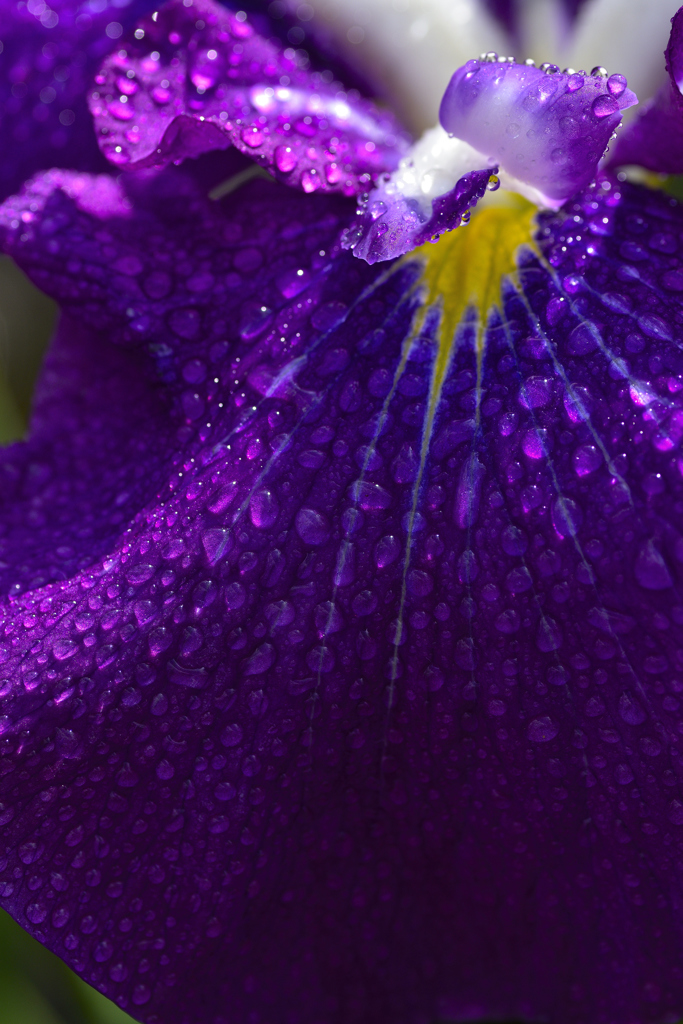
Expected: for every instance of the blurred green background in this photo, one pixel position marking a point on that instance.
(27, 319)
(37, 988)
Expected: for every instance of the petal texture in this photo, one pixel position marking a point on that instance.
(198, 77)
(370, 711)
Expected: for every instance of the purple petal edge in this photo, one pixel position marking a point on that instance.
(391, 225)
(189, 84)
(655, 139)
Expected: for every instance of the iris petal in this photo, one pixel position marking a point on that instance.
(549, 130)
(371, 692)
(194, 84)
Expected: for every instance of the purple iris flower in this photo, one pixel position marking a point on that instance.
(342, 631)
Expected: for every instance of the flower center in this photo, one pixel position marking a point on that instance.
(464, 271)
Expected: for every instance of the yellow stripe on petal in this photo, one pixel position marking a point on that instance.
(465, 268)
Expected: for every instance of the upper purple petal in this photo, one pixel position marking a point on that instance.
(200, 78)
(547, 128)
(49, 53)
(655, 139)
(309, 714)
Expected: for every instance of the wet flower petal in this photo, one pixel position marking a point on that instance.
(427, 590)
(192, 84)
(546, 128)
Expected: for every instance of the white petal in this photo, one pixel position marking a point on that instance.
(409, 48)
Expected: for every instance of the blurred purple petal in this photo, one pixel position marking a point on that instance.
(188, 84)
(655, 139)
(546, 128)
(49, 52)
(383, 722)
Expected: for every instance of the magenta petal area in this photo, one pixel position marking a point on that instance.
(49, 53)
(200, 78)
(545, 127)
(337, 699)
(655, 139)
(390, 224)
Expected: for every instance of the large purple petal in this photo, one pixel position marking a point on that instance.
(547, 128)
(364, 715)
(49, 52)
(199, 78)
(655, 139)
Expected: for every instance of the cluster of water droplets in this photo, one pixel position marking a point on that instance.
(197, 77)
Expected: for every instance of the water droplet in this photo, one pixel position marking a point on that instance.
(535, 392)
(650, 568)
(566, 517)
(542, 730)
(549, 637)
(604, 105)
(514, 541)
(364, 603)
(616, 84)
(312, 527)
(263, 509)
(231, 735)
(468, 495)
(587, 458)
(387, 551)
(260, 661)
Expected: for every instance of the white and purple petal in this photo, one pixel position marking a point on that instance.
(546, 128)
(433, 188)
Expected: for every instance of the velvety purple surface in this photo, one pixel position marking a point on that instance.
(655, 139)
(389, 225)
(48, 57)
(202, 79)
(548, 129)
(296, 726)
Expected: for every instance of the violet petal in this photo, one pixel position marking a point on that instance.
(198, 83)
(49, 56)
(549, 130)
(244, 721)
(655, 139)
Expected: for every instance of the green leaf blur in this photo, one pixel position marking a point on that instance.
(36, 987)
